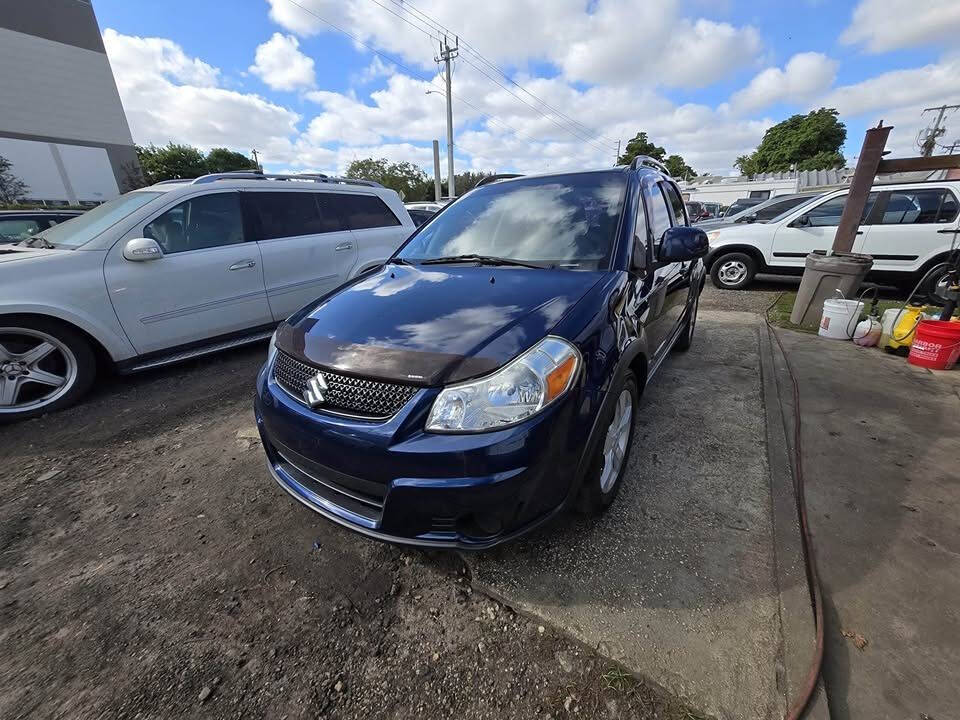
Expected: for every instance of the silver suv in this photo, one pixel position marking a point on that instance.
(176, 270)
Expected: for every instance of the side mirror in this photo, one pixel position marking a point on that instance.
(802, 221)
(683, 243)
(142, 249)
(751, 218)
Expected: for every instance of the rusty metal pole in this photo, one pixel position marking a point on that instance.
(867, 165)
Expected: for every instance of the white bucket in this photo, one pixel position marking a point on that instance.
(839, 318)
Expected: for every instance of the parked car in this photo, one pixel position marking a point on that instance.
(177, 270)
(763, 212)
(908, 228)
(489, 374)
(697, 212)
(18, 225)
(740, 205)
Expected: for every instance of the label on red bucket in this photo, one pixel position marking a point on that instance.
(936, 345)
(925, 349)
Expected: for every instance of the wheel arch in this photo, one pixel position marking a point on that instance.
(750, 250)
(102, 355)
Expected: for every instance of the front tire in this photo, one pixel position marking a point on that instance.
(610, 459)
(733, 270)
(44, 366)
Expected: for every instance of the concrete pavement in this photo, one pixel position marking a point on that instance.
(694, 577)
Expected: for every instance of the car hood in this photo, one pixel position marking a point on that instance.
(430, 325)
(11, 253)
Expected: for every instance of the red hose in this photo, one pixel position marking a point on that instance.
(812, 578)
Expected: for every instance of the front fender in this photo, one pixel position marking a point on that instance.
(109, 335)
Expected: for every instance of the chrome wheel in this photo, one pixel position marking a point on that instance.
(35, 369)
(732, 272)
(615, 443)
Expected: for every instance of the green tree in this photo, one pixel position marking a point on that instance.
(223, 160)
(170, 162)
(12, 188)
(801, 142)
(406, 178)
(641, 145)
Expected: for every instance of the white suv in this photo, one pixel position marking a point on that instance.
(908, 228)
(176, 270)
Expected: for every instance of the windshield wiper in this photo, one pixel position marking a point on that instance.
(44, 243)
(479, 259)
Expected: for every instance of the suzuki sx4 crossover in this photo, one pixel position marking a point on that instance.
(487, 376)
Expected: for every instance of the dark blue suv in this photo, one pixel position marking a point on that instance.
(488, 375)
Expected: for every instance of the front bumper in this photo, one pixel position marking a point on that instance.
(393, 481)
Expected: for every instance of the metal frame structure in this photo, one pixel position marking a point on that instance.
(649, 162)
(282, 177)
(495, 178)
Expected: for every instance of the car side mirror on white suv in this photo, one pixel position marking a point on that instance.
(802, 221)
(141, 249)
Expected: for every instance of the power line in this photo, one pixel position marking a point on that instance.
(576, 128)
(415, 73)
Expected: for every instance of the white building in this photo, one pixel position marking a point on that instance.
(61, 122)
(725, 190)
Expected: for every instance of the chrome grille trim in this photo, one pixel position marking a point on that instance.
(355, 397)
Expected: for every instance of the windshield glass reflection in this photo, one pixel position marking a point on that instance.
(568, 222)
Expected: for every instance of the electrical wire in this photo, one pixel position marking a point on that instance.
(813, 579)
(576, 128)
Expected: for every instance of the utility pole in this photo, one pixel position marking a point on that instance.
(256, 159)
(929, 142)
(437, 190)
(617, 159)
(447, 54)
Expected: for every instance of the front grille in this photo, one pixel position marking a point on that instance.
(344, 394)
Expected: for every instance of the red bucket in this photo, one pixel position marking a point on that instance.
(936, 344)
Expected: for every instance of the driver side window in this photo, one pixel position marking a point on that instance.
(201, 222)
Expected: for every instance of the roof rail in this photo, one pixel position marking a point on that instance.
(648, 162)
(256, 175)
(493, 178)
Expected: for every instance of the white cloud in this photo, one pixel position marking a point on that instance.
(281, 65)
(804, 75)
(882, 25)
(168, 96)
(630, 42)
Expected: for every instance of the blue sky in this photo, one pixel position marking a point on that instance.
(703, 78)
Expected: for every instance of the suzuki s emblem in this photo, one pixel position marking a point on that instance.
(315, 389)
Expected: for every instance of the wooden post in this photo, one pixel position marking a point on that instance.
(867, 166)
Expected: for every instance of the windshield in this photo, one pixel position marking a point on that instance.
(83, 228)
(568, 222)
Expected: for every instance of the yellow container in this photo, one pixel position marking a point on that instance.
(900, 335)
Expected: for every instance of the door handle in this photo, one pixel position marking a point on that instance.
(242, 265)
(344, 246)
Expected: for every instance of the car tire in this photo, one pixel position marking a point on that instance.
(69, 356)
(733, 270)
(599, 488)
(685, 340)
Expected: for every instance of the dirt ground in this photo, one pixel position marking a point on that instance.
(150, 568)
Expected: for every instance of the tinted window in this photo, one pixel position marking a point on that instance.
(906, 207)
(366, 211)
(17, 230)
(419, 217)
(677, 202)
(778, 208)
(291, 214)
(828, 214)
(659, 214)
(205, 221)
(569, 221)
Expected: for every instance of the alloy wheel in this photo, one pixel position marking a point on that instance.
(732, 272)
(35, 369)
(616, 441)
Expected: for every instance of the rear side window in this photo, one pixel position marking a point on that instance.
(919, 207)
(291, 214)
(828, 214)
(366, 211)
(676, 202)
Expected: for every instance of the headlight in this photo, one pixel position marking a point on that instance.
(711, 236)
(522, 388)
(272, 348)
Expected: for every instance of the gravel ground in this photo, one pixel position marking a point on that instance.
(756, 299)
(150, 568)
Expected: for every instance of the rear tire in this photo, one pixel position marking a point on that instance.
(612, 455)
(45, 366)
(733, 270)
